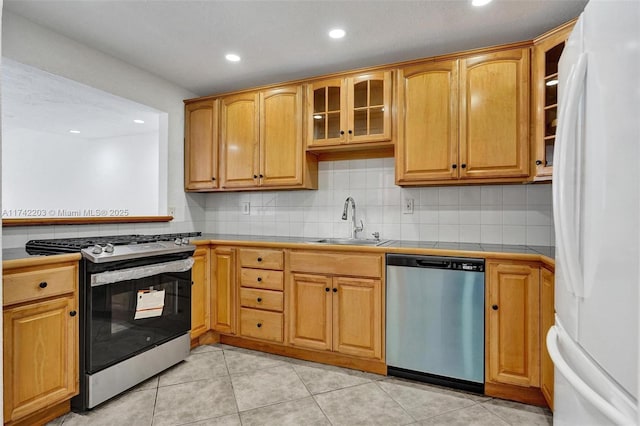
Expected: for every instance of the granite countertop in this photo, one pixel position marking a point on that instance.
(548, 251)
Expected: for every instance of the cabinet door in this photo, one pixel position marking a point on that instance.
(201, 145)
(428, 122)
(513, 327)
(369, 107)
(326, 112)
(547, 319)
(223, 290)
(239, 141)
(200, 298)
(40, 355)
(357, 317)
(544, 70)
(281, 146)
(494, 114)
(309, 313)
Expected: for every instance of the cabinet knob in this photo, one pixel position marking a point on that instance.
(259, 299)
(212, 178)
(326, 289)
(454, 166)
(494, 307)
(538, 162)
(342, 132)
(259, 325)
(259, 279)
(350, 132)
(43, 284)
(261, 176)
(72, 313)
(255, 176)
(464, 166)
(259, 259)
(335, 290)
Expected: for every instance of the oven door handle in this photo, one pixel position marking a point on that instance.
(110, 277)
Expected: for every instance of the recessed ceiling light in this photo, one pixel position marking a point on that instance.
(480, 2)
(337, 33)
(232, 57)
(138, 121)
(552, 82)
(74, 131)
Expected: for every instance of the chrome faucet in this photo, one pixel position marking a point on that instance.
(354, 228)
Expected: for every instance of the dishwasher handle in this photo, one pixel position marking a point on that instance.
(436, 262)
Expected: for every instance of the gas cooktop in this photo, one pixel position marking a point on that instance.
(75, 245)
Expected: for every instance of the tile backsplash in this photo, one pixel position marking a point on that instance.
(492, 214)
(496, 214)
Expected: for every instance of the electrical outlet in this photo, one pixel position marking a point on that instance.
(407, 207)
(246, 207)
(172, 211)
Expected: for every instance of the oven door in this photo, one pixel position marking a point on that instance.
(134, 309)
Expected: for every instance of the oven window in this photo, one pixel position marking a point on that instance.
(129, 317)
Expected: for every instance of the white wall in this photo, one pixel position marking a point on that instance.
(31, 44)
(496, 214)
(101, 169)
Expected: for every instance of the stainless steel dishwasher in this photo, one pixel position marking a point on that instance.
(435, 320)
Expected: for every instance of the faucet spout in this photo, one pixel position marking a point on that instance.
(354, 227)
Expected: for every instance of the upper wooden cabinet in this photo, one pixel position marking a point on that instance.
(201, 145)
(464, 119)
(349, 110)
(546, 55)
(428, 124)
(261, 141)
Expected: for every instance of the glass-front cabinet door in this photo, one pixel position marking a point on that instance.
(349, 110)
(546, 54)
(326, 101)
(369, 101)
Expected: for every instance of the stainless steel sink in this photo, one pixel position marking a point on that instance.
(348, 241)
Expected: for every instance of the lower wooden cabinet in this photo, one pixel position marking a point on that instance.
(547, 319)
(223, 289)
(336, 313)
(40, 333)
(513, 323)
(200, 297)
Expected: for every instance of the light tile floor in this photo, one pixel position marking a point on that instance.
(224, 385)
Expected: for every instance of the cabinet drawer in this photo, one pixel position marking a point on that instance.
(261, 278)
(40, 283)
(262, 299)
(261, 324)
(357, 264)
(261, 258)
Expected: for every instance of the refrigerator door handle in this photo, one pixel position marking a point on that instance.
(586, 391)
(566, 202)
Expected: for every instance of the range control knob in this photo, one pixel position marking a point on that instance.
(109, 248)
(97, 249)
(185, 241)
(178, 241)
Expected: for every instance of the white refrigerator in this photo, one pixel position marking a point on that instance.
(596, 196)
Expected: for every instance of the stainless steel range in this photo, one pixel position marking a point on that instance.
(135, 308)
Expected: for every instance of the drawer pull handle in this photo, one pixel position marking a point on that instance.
(259, 279)
(43, 284)
(72, 313)
(259, 259)
(259, 299)
(259, 325)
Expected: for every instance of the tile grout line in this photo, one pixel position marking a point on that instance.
(398, 403)
(312, 395)
(235, 399)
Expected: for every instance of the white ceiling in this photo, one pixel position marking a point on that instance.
(185, 41)
(37, 100)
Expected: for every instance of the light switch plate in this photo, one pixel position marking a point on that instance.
(407, 206)
(245, 207)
